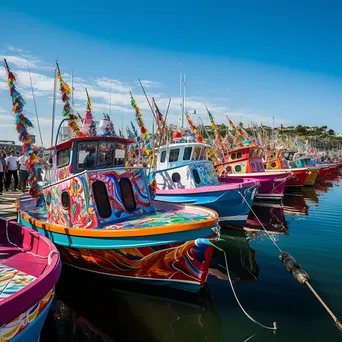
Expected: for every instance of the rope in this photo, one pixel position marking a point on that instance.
(35, 105)
(269, 235)
(306, 282)
(274, 328)
(49, 256)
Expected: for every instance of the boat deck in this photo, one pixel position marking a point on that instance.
(165, 215)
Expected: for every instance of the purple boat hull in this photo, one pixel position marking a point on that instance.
(272, 184)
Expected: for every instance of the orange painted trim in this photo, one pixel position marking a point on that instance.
(115, 233)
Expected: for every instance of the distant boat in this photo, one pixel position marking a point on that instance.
(29, 269)
(185, 175)
(246, 162)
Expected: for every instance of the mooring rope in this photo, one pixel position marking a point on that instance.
(296, 270)
(274, 328)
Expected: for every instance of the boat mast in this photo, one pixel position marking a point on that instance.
(54, 104)
(181, 101)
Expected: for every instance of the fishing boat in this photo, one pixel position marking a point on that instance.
(29, 269)
(185, 175)
(246, 162)
(103, 219)
(275, 161)
(296, 160)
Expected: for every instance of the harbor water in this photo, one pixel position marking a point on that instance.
(308, 226)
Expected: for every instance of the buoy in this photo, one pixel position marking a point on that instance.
(176, 135)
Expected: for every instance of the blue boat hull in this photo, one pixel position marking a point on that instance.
(232, 206)
(32, 331)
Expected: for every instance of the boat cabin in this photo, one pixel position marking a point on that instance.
(184, 165)
(179, 154)
(296, 160)
(91, 188)
(88, 153)
(242, 160)
(274, 159)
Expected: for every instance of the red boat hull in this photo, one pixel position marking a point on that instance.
(323, 171)
(297, 179)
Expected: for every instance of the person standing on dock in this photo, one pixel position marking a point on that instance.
(2, 168)
(11, 170)
(23, 173)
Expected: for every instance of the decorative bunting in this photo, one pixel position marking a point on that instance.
(67, 111)
(193, 128)
(28, 150)
(89, 126)
(218, 139)
(144, 132)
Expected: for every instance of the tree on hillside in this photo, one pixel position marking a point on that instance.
(331, 132)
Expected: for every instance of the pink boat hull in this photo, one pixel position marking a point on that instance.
(272, 184)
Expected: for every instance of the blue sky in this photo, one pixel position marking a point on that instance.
(249, 59)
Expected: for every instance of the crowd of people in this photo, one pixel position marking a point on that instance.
(12, 162)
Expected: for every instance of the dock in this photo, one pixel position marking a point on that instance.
(7, 205)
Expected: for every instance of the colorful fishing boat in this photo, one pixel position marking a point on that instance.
(29, 269)
(103, 219)
(246, 162)
(185, 175)
(275, 161)
(296, 160)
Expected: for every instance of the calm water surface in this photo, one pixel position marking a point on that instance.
(308, 226)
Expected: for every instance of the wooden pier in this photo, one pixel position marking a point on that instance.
(7, 204)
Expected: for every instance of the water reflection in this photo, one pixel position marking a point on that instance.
(242, 265)
(88, 308)
(294, 204)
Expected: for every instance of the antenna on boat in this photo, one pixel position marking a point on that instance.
(72, 89)
(54, 102)
(149, 103)
(35, 105)
(110, 100)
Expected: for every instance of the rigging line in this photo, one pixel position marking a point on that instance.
(274, 328)
(269, 235)
(35, 105)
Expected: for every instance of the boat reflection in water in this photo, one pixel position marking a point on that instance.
(294, 204)
(242, 265)
(310, 195)
(271, 218)
(90, 309)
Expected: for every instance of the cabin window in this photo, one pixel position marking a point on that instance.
(253, 167)
(106, 155)
(65, 198)
(233, 156)
(228, 169)
(87, 155)
(273, 164)
(63, 157)
(202, 155)
(238, 168)
(238, 155)
(120, 152)
(163, 157)
(196, 154)
(176, 177)
(101, 199)
(127, 194)
(174, 154)
(187, 153)
(197, 177)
